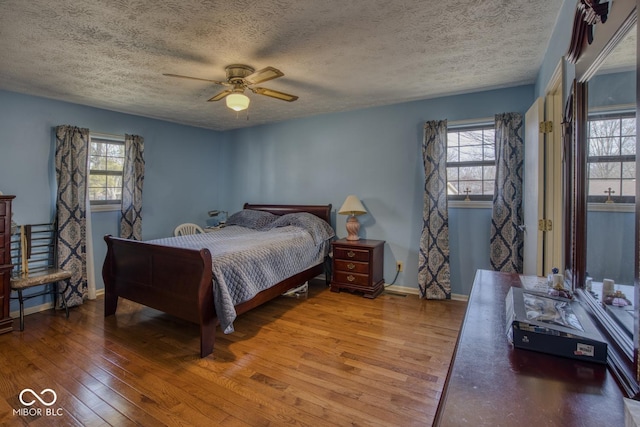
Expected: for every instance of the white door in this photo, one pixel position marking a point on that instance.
(553, 252)
(533, 194)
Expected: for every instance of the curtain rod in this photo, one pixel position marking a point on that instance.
(104, 135)
(469, 122)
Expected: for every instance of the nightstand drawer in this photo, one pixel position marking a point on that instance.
(352, 278)
(350, 254)
(351, 266)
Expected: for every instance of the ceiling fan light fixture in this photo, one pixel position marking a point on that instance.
(239, 78)
(237, 101)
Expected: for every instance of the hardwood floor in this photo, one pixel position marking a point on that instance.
(331, 359)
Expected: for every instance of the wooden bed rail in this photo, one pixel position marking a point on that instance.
(179, 281)
(176, 281)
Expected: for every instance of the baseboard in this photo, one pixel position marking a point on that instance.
(43, 307)
(460, 297)
(406, 290)
(401, 289)
(414, 291)
(34, 309)
(99, 292)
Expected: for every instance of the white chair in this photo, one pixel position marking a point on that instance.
(187, 228)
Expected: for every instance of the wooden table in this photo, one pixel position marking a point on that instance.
(492, 384)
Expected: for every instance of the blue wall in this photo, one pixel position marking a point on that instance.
(375, 154)
(557, 48)
(183, 166)
(612, 90)
(469, 245)
(611, 246)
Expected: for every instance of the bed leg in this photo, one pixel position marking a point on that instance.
(110, 304)
(207, 338)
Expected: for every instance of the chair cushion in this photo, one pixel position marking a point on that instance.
(39, 278)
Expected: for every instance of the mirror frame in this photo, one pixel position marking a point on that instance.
(623, 352)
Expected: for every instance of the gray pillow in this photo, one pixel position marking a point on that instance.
(319, 229)
(251, 219)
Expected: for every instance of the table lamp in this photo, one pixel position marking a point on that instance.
(352, 207)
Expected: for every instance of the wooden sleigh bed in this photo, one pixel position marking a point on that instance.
(178, 281)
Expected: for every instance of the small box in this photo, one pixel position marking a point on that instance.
(552, 325)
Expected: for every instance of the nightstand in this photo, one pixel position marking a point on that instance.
(358, 266)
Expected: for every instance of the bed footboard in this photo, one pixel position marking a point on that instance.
(173, 280)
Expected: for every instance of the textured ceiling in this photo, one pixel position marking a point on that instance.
(336, 55)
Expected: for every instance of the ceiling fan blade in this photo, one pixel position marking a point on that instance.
(197, 78)
(263, 75)
(220, 95)
(273, 93)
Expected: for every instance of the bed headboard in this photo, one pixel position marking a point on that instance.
(321, 211)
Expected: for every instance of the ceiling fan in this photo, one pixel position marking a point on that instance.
(241, 77)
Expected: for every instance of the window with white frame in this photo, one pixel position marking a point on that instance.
(611, 159)
(471, 162)
(106, 163)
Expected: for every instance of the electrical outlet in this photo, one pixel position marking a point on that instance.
(399, 266)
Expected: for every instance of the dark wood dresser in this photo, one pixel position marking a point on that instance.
(490, 383)
(6, 322)
(358, 266)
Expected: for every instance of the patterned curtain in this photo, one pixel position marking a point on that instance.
(132, 182)
(433, 269)
(507, 240)
(72, 147)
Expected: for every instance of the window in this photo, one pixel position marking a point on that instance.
(471, 162)
(106, 163)
(611, 159)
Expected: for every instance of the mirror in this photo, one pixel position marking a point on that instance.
(601, 193)
(610, 182)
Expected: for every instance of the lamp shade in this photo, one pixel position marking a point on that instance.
(352, 206)
(237, 101)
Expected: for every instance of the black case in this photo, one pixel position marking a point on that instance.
(552, 325)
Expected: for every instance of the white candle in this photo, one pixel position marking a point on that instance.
(558, 280)
(608, 287)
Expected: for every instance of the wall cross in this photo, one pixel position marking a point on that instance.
(609, 192)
